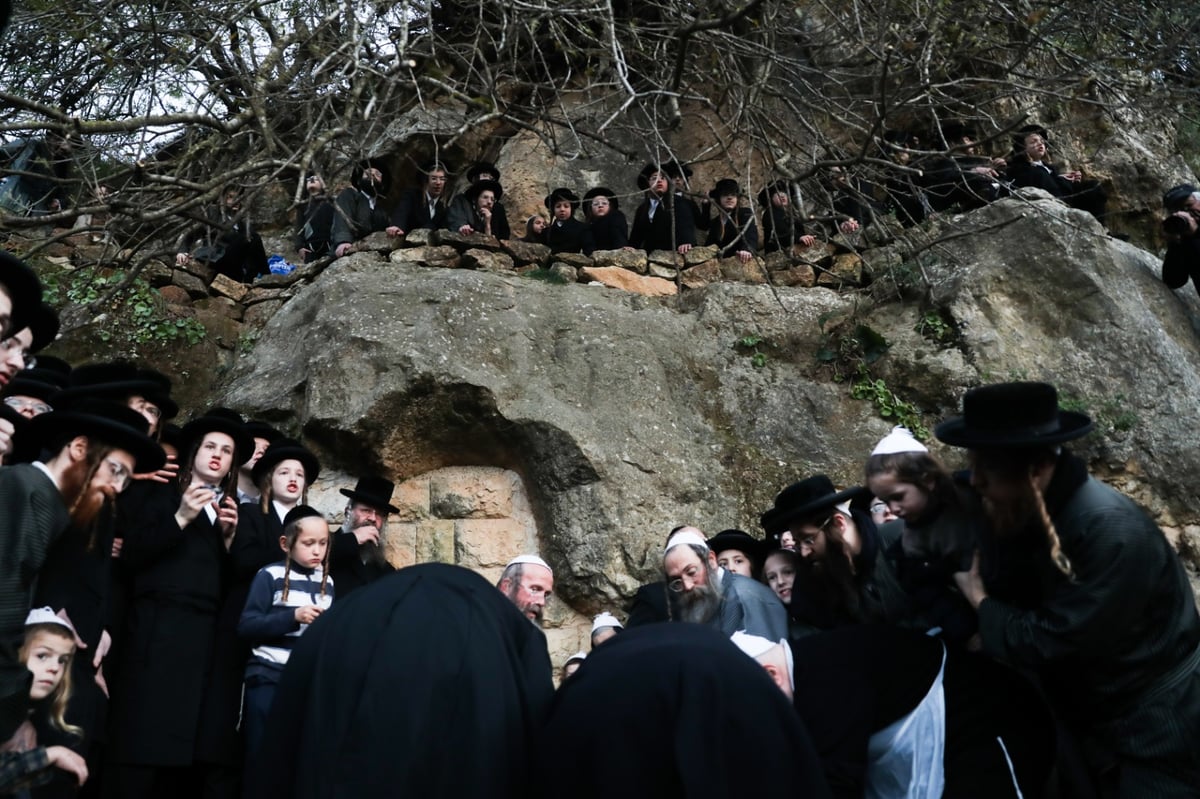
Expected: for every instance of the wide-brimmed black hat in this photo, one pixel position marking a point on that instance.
(171, 433)
(1012, 416)
(302, 512)
(1018, 138)
(107, 422)
(560, 194)
(602, 191)
(373, 491)
(282, 449)
(775, 187)
(259, 429)
(1176, 196)
(479, 168)
(805, 498)
(118, 380)
(677, 170)
(52, 364)
(219, 420)
(432, 165)
(725, 187)
(24, 289)
(26, 385)
(479, 187)
(643, 179)
(740, 540)
(43, 324)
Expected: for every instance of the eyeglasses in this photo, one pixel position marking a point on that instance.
(810, 539)
(690, 572)
(878, 507)
(118, 474)
(13, 343)
(26, 404)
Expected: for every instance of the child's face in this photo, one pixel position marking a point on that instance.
(288, 481)
(539, 224)
(562, 210)
(779, 199)
(906, 500)
(311, 542)
(214, 458)
(734, 560)
(780, 575)
(49, 658)
(728, 201)
(600, 206)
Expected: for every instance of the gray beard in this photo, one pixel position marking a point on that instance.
(702, 603)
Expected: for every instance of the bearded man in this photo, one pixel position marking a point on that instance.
(94, 451)
(356, 554)
(708, 594)
(359, 211)
(1077, 584)
(528, 581)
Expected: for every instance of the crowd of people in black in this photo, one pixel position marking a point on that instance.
(178, 621)
(922, 181)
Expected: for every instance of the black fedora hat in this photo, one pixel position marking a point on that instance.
(643, 179)
(677, 169)
(480, 168)
(260, 429)
(740, 540)
(23, 288)
(1018, 137)
(1176, 196)
(603, 191)
(1012, 416)
(774, 187)
(725, 187)
(107, 422)
(282, 449)
(26, 385)
(480, 187)
(373, 491)
(562, 194)
(117, 380)
(52, 364)
(219, 420)
(802, 499)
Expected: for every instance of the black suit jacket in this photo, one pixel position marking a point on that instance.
(346, 566)
(655, 234)
(412, 212)
(570, 236)
(732, 236)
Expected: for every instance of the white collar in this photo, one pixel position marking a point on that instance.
(280, 510)
(46, 470)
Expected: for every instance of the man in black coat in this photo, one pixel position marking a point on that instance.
(356, 553)
(733, 228)
(428, 682)
(661, 221)
(359, 210)
(565, 233)
(1182, 229)
(314, 221)
(781, 229)
(1028, 168)
(1078, 585)
(229, 243)
(674, 710)
(424, 206)
(463, 207)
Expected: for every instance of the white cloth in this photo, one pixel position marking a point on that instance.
(685, 537)
(606, 619)
(899, 440)
(531, 559)
(904, 759)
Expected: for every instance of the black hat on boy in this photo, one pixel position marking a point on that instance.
(43, 324)
(107, 422)
(643, 179)
(740, 540)
(803, 499)
(725, 187)
(23, 287)
(302, 512)
(118, 381)
(282, 449)
(602, 191)
(262, 430)
(1018, 138)
(373, 491)
(677, 170)
(560, 194)
(1012, 416)
(1176, 196)
(219, 420)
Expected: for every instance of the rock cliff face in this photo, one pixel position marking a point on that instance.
(614, 417)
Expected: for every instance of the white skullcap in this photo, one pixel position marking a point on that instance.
(47, 616)
(899, 440)
(685, 537)
(576, 656)
(752, 645)
(606, 619)
(530, 559)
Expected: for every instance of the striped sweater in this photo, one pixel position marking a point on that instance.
(268, 623)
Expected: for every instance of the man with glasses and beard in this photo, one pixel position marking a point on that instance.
(844, 577)
(356, 557)
(93, 452)
(528, 581)
(1074, 582)
(708, 594)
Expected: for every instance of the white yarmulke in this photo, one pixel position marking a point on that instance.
(752, 645)
(606, 619)
(47, 616)
(685, 537)
(576, 656)
(530, 559)
(899, 440)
